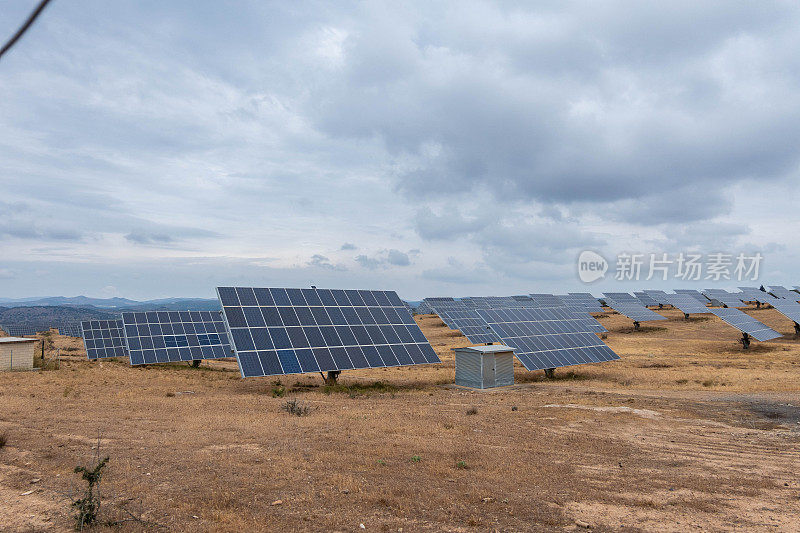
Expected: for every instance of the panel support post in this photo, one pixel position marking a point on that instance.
(686, 316)
(636, 324)
(196, 363)
(549, 373)
(796, 329)
(333, 377)
(745, 341)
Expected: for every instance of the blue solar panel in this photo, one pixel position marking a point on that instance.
(621, 297)
(545, 338)
(694, 294)
(725, 298)
(660, 297)
(547, 300)
(788, 308)
(779, 291)
(290, 331)
(745, 323)
(634, 310)
(645, 299)
(584, 298)
(472, 326)
(172, 336)
(686, 303)
(103, 339)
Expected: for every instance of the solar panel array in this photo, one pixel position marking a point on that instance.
(621, 297)
(103, 339)
(788, 308)
(745, 323)
(546, 337)
(546, 300)
(659, 296)
(645, 299)
(753, 294)
(779, 291)
(72, 329)
(291, 331)
(172, 336)
(472, 326)
(694, 294)
(724, 297)
(634, 310)
(686, 303)
(591, 303)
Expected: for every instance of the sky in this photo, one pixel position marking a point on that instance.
(160, 149)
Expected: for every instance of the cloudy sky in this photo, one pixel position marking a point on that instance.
(153, 149)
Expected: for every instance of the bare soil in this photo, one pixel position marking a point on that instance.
(686, 432)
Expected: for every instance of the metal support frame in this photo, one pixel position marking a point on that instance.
(745, 340)
(796, 329)
(549, 373)
(332, 377)
(196, 363)
(636, 324)
(686, 316)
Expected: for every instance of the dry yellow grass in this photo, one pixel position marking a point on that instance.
(686, 431)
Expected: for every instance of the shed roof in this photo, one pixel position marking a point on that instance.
(492, 348)
(15, 339)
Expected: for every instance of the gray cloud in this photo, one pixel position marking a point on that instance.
(320, 261)
(386, 258)
(151, 238)
(504, 136)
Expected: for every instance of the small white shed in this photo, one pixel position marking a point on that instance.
(16, 353)
(484, 367)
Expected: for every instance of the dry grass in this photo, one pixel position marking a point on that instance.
(686, 431)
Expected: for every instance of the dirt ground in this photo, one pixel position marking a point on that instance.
(686, 432)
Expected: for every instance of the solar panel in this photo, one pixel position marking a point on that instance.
(694, 294)
(545, 338)
(587, 300)
(645, 299)
(70, 330)
(779, 291)
(686, 303)
(788, 308)
(745, 323)
(724, 297)
(472, 326)
(546, 300)
(634, 310)
(659, 296)
(172, 336)
(621, 297)
(292, 331)
(753, 294)
(103, 338)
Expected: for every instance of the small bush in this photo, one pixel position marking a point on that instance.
(88, 507)
(381, 462)
(294, 407)
(472, 411)
(709, 383)
(461, 465)
(170, 395)
(3, 439)
(416, 458)
(278, 390)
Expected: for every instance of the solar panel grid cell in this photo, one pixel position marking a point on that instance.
(103, 339)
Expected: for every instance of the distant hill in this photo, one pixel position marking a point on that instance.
(115, 304)
(50, 314)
